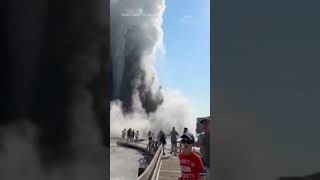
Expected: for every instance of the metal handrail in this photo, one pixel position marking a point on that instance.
(153, 167)
(157, 167)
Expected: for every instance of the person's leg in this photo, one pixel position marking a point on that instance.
(172, 147)
(163, 146)
(152, 146)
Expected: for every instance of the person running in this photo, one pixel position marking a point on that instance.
(137, 136)
(124, 131)
(162, 139)
(174, 136)
(190, 162)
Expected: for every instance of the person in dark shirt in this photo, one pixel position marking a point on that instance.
(163, 141)
(129, 134)
(204, 144)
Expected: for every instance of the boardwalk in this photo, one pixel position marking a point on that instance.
(169, 168)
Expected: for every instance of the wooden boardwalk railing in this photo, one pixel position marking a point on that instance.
(161, 167)
(152, 170)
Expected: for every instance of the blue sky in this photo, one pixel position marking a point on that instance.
(186, 65)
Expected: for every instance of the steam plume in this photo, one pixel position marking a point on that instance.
(139, 101)
(136, 35)
(176, 111)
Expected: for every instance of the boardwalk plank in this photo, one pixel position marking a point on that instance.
(170, 168)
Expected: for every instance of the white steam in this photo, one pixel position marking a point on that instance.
(176, 111)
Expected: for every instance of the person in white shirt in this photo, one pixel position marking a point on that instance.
(124, 133)
(154, 142)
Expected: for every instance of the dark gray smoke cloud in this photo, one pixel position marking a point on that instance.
(136, 35)
(138, 101)
(54, 91)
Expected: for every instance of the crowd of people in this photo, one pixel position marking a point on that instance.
(130, 135)
(193, 165)
(155, 142)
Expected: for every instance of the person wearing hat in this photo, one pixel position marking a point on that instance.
(190, 162)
